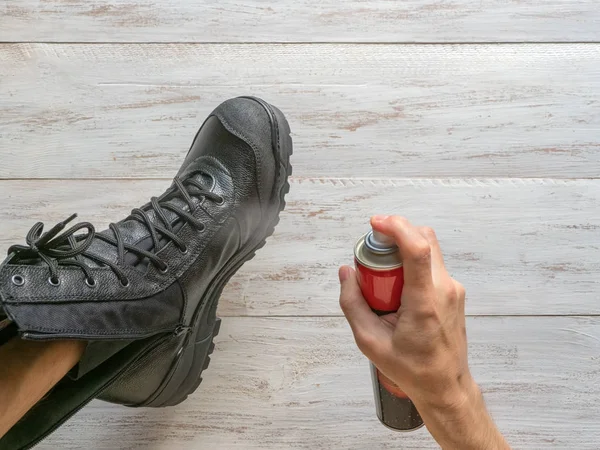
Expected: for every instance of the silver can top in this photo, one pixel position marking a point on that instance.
(377, 252)
(380, 243)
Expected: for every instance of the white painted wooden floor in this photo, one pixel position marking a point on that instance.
(481, 119)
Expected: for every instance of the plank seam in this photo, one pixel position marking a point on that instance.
(351, 181)
(445, 182)
(592, 42)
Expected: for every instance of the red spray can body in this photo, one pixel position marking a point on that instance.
(381, 278)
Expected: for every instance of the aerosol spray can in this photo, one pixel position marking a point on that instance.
(381, 278)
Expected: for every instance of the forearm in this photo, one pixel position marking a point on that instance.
(466, 425)
(28, 370)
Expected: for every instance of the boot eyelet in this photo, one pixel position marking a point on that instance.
(91, 282)
(18, 280)
(220, 202)
(126, 284)
(165, 270)
(184, 250)
(54, 281)
(213, 182)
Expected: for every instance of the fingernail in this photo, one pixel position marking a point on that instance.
(343, 273)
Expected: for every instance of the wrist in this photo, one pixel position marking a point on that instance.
(461, 420)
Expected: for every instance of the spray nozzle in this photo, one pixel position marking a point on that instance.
(380, 243)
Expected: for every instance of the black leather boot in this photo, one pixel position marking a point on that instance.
(144, 292)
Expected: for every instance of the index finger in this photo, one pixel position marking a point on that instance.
(414, 248)
(438, 267)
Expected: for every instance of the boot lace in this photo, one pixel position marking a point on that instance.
(66, 249)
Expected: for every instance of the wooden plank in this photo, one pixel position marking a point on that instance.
(519, 246)
(298, 21)
(380, 111)
(301, 383)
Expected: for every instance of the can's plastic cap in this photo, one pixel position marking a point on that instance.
(380, 243)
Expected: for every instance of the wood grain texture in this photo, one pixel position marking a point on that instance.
(298, 21)
(385, 111)
(519, 246)
(301, 383)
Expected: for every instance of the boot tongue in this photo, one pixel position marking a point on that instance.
(137, 233)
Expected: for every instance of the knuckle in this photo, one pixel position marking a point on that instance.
(421, 250)
(450, 292)
(347, 303)
(428, 312)
(460, 290)
(348, 297)
(400, 222)
(429, 233)
(343, 302)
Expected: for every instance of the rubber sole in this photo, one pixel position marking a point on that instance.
(194, 355)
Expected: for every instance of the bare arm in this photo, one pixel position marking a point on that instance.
(28, 370)
(423, 347)
(468, 425)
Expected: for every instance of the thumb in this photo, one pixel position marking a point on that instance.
(371, 335)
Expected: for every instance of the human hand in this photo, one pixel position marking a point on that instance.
(423, 347)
